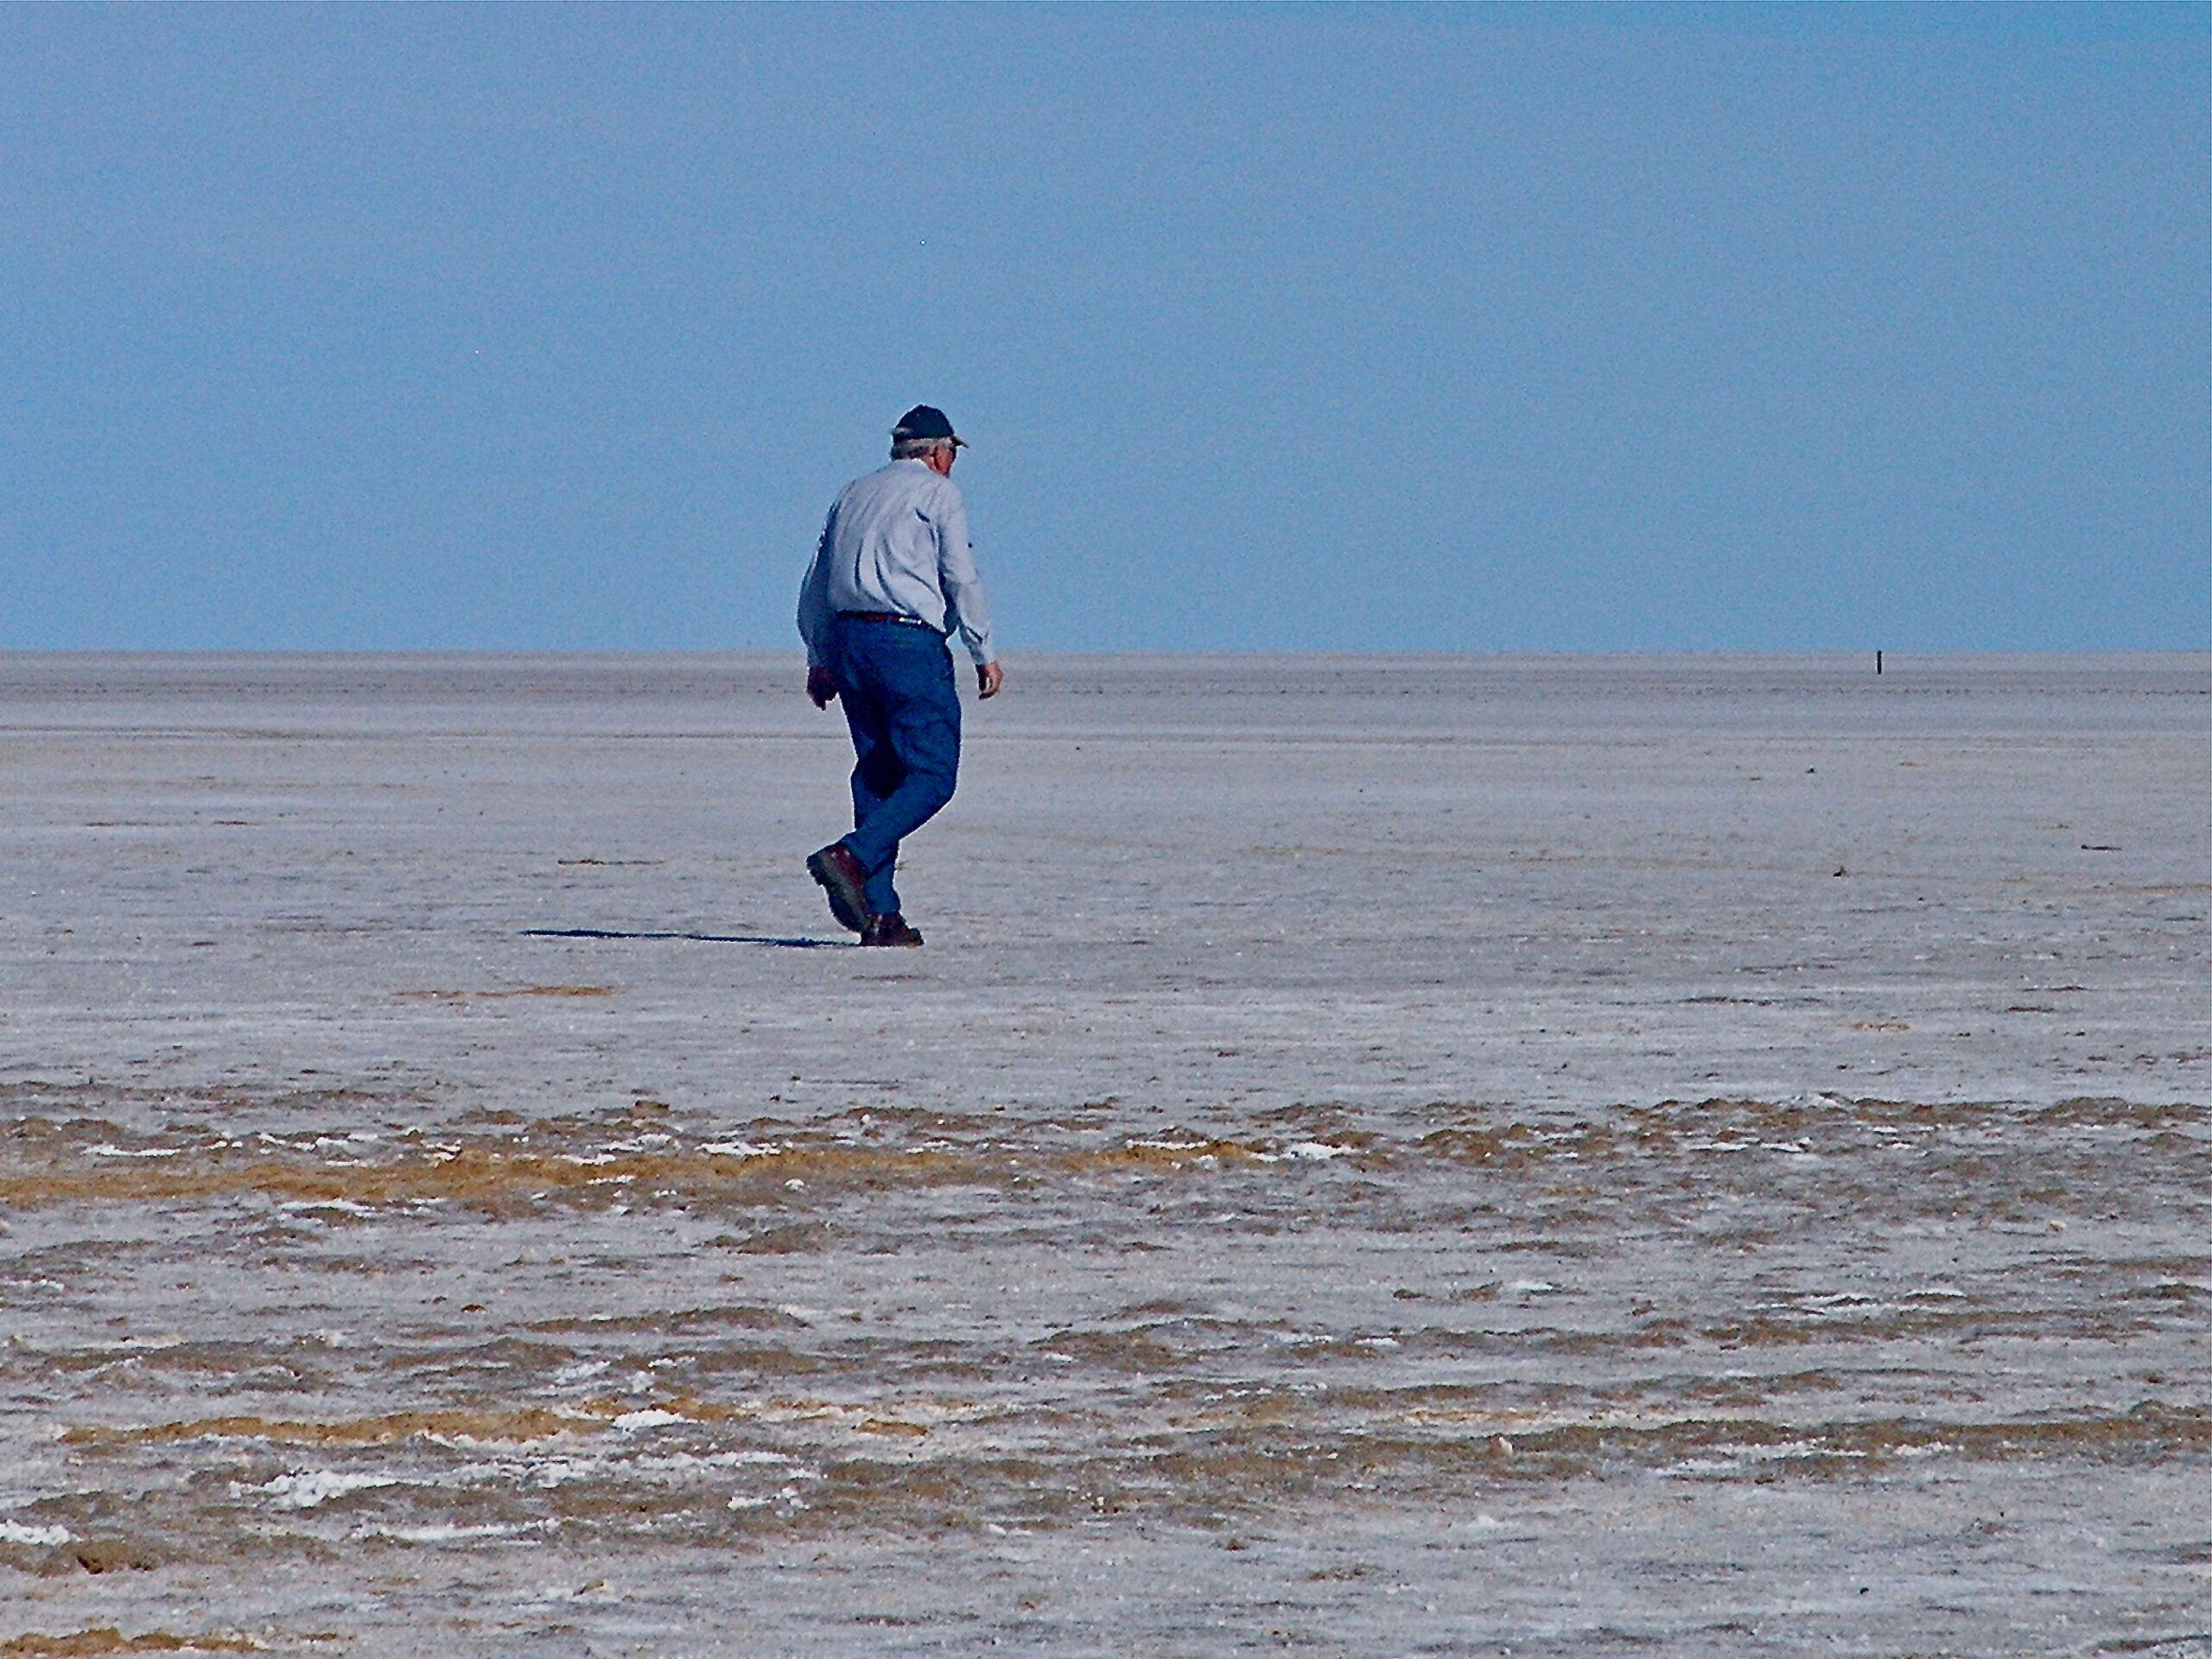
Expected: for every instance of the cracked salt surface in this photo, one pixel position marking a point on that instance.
(1379, 1156)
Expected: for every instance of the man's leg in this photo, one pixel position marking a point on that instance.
(854, 898)
(905, 779)
(877, 774)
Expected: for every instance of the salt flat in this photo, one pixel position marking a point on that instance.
(1378, 1156)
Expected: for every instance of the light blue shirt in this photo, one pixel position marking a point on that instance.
(896, 540)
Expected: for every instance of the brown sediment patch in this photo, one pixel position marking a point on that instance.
(1828, 1326)
(97, 1555)
(278, 1366)
(1986, 1160)
(1275, 1426)
(506, 1172)
(740, 1316)
(893, 1425)
(871, 1419)
(1318, 1119)
(1219, 1460)
(514, 1428)
(1132, 1350)
(1517, 1144)
(468, 1174)
(108, 1639)
(761, 1362)
(893, 1471)
(501, 995)
(2121, 1114)
(520, 1426)
(2148, 1429)
(1148, 1153)
(1829, 1125)
(794, 1240)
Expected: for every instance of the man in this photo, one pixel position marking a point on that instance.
(893, 578)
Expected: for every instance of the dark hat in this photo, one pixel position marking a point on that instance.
(924, 422)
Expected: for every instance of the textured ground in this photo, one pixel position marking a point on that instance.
(1378, 1157)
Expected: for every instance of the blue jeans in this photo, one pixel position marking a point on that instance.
(904, 712)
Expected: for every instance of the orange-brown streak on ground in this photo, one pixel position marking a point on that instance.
(109, 1638)
(482, 1176)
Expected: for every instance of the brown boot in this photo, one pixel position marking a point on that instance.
(844, 880)
(889, 929)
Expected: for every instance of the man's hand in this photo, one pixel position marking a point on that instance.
(821, 687)
(989, 677)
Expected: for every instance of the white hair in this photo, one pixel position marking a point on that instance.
(917, 448)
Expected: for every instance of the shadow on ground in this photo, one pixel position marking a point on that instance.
(697, 938)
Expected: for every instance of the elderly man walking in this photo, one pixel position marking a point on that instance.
(893, 578)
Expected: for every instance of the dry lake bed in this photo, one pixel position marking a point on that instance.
(1378, 1157)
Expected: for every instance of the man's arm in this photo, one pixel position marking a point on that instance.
(966, 611)
(815, 618)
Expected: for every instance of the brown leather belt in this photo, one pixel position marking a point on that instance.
(888, 616)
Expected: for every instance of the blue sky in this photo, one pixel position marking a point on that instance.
(1371, 328)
